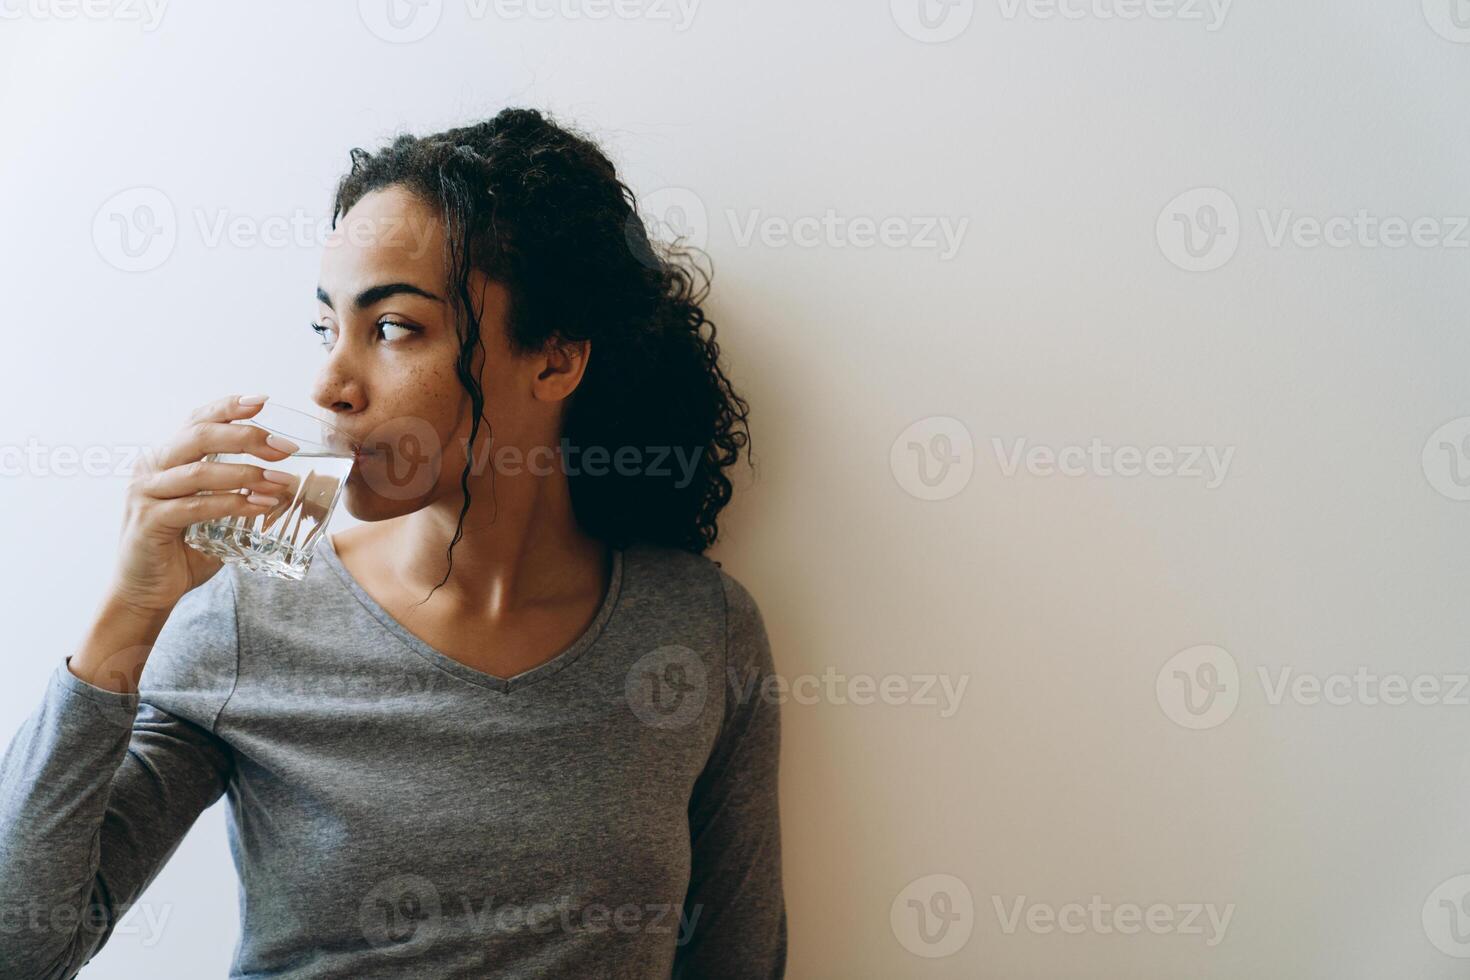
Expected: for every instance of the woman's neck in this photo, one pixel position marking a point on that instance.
(521, 547)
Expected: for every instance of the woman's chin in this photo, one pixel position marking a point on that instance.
(366, 502)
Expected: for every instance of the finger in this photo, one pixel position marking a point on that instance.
(180, 512)
(190, 478)
(203, 438)
(228, 408)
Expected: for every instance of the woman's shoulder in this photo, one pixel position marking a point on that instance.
(676, 576)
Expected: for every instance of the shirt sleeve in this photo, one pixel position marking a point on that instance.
(735, 909)
(98, 788)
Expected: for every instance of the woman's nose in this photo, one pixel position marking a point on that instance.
(337, 393)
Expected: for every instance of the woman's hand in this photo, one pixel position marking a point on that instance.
(155, 567)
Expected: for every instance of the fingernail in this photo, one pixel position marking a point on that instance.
(280, 476)
(253, 399)
(260, 498)
(282, 443)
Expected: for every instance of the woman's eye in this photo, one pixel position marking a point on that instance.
(395, 331)
(387, 329)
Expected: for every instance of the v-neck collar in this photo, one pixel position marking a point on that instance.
(328, 553)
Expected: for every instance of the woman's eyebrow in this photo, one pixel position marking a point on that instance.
(376, 294)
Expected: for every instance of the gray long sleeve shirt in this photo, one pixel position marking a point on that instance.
(394, 812)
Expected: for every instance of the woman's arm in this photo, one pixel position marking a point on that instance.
(735, 910)
(99, 786)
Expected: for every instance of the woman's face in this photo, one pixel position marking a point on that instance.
(389, 379)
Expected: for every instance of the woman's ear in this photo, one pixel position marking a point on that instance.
(560, 369)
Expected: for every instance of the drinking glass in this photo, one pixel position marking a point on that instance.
(282, 541)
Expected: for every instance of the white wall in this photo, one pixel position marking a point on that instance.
(1054, 147)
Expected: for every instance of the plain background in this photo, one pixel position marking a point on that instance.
(1075, 767)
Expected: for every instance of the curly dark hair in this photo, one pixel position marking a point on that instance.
(539, 208)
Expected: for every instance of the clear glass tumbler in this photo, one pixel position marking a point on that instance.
(282, 541)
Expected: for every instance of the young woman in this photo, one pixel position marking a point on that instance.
(516, 724)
